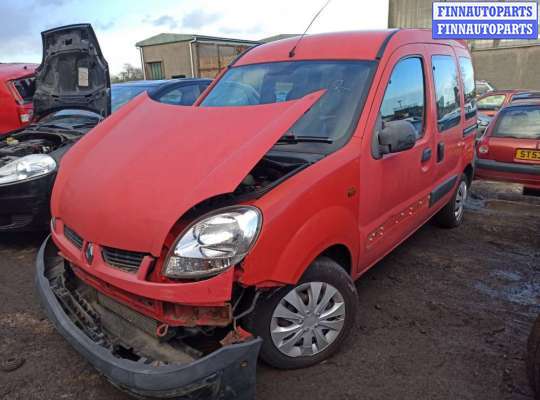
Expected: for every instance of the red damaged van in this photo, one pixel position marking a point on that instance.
(193, 238)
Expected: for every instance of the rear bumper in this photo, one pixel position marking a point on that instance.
(228, 373)
(526, 174)
(25, 205)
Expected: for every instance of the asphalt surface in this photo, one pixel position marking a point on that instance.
(445, 316)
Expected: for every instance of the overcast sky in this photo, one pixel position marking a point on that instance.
(119, 24)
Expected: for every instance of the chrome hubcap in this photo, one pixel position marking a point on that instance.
(461, 196)
(308, 319)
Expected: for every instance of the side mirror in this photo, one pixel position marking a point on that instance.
(393, 137)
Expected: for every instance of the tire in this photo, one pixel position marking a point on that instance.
(324, 275)
(451, 215)
(533, 358)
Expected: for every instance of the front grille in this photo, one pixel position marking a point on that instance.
(73, 237)
(129, 260)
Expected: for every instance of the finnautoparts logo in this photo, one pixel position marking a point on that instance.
(485, 20)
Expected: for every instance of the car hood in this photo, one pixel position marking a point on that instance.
(129, 180)
(73, 72)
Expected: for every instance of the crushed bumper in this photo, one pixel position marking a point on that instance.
(227, 373)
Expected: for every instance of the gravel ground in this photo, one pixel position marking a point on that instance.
(445, 316)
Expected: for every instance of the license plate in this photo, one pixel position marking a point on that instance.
(526, 154)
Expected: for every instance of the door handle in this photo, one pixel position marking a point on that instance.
(426, 155)
(440, 151)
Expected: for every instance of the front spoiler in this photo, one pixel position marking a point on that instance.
(228, 373)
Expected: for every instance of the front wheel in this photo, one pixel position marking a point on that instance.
(304, 324)
(451, 215)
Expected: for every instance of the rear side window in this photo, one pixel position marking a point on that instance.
(519, 123)
(446, 92)
(491, 103)
(404, 98)
(469, 92)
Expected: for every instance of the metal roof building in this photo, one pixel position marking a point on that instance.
(172, 55)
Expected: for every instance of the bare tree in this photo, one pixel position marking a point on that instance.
(129, 73)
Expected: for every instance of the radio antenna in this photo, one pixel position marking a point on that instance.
(293, 50)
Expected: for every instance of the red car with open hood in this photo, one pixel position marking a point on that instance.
(17, 86)
(510, 149)
(193, 238)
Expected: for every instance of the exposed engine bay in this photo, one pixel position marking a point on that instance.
(271, 170)
(30, 142)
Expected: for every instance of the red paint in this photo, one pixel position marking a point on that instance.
(12, 107)
(128, 182)
(503, 149)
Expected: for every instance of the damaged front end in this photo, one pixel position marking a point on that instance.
(137, 353)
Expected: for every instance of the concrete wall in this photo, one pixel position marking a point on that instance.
(409, 13)
(175, 58)
(507, 64)
(509, 68)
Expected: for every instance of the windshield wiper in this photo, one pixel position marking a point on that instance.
(293, 139)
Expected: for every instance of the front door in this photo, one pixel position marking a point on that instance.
(395, 187)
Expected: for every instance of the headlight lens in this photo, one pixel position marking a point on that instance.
(27, 167)
(214, 243)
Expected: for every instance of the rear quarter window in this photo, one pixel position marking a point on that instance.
(447, 89)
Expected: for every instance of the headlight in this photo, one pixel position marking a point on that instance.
(214, 243)
(27, 167)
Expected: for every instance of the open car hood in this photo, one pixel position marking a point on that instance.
(73, 72)
(129, 180)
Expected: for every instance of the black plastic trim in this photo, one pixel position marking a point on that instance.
(442, 190)
(470, 129)
(384, 44)
(508, 167)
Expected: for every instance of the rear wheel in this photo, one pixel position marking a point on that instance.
(451, 215)
(304, 324)
(533, 358)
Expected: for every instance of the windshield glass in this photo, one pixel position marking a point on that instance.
(521, 123)
(120, 95)
(491, 102)
(332, 116)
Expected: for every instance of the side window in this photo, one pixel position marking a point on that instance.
(446, 91)
(404, 98)
(182, 96)
(467, 75)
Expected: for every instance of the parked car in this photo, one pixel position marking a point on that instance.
(483, 87)
(510, 149)
(193, 237)
(490, 103)
(483, 122)
(533, 358)
(66, 106)
(181, 92)
(16, 91)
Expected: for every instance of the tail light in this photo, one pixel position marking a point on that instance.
(15, 93)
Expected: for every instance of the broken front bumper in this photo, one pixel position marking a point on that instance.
(227, 373)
